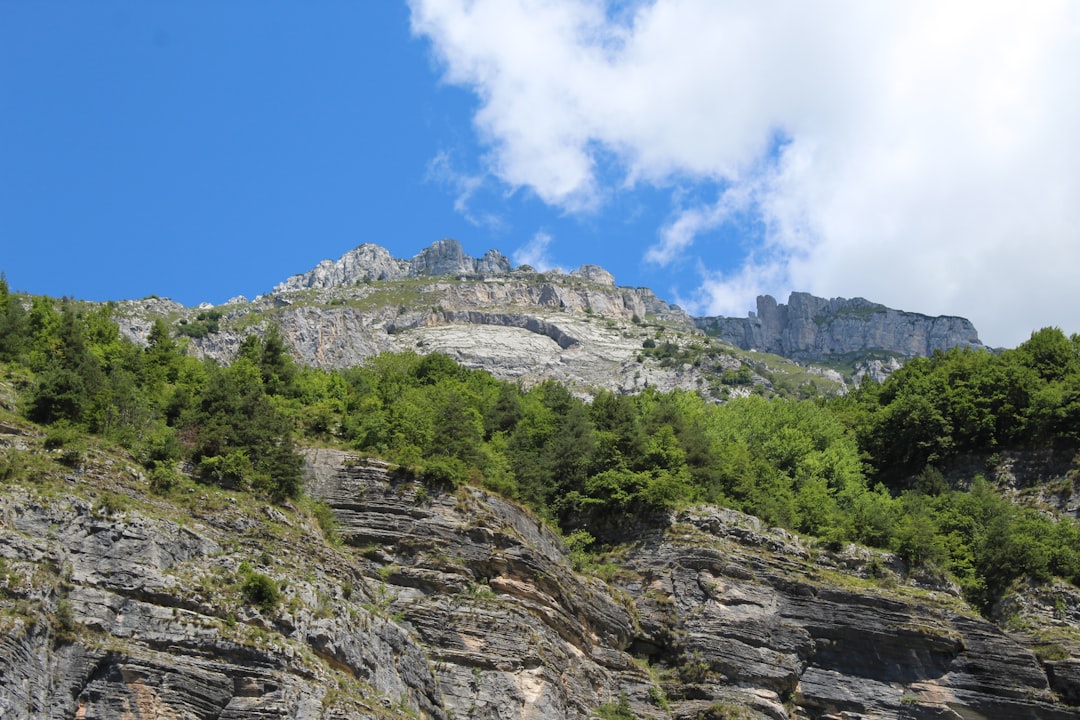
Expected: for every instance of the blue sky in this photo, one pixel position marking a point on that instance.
(200, 151)
(919, 156)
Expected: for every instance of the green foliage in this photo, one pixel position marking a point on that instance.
(13, 323)
(445, 473)
(616, 710)
(577, 545)
(260, 590)
(241, 438)
(971, 400)
(865, 467)
(163, 478)
(324, 516)
(205, 323)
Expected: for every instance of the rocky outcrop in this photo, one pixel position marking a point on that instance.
(715, 614)
(373, 262)
(367, 262)
(116, 602)
(370, 262)
(525, 327)
(594, 273)
(812, 328)
(579, 328)
(125, 614)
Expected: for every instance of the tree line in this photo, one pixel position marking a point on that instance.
(865, 467)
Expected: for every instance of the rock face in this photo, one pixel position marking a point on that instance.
(127, 615)
(714, 612)
(367, 262)
(372, 262)
(812, 328)
(579, 328)
(117, 603)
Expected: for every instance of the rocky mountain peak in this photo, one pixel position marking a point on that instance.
(594, 273)
(366, 262)
(813, 328)
(374, 262)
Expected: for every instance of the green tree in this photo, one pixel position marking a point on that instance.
(14, 332)
(234, 417)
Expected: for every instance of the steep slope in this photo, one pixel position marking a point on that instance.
(579, 328)
(117, 602)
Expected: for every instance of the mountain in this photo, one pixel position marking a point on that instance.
(818, 330)
(579, 328)
(411, 539)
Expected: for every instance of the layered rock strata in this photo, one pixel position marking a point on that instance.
(813, 328)
(458, 604)
(714, 614)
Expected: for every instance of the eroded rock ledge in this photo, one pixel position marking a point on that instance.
(458, 604)
(716, 611)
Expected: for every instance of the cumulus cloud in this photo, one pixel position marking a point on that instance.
(536, 253)
(920, 153)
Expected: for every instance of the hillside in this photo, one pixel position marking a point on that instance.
(117, 601)
(579, 328)
(409, 537)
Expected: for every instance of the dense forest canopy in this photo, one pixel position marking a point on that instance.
(865, 467)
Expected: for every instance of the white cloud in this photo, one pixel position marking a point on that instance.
(464, 186)
(930, 157)
(536, 253)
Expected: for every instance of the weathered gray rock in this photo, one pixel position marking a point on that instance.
(459, 604)
(131, 615)
(812, 328)
(366, 262)
(525, 328)
(492, 262)
(594, 273)
(373, 262)
(740, 607)
(725, 613)
(444, 257)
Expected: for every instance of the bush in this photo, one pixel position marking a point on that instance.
(261, 591)
(59, 435)
(616, 711)
(445, 473)
(231, 470)
(163, 478)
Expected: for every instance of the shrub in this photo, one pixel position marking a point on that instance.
(231, 470)
(60, 435)
(163, 478)
(324, 516)
(261, 591)
(445, 473)
(616, 711)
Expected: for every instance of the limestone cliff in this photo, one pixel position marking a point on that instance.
(813, 328)
(372, 262)
(119, 603)
(579, 327)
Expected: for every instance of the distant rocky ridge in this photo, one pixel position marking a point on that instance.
(579, 328)
(807, 328)
(815, 329)
(445, 257)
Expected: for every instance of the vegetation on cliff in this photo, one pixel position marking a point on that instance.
(865, 468)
